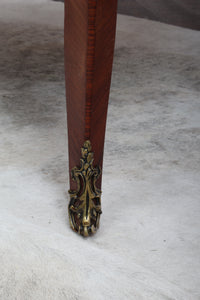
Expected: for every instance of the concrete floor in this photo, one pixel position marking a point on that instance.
(151, 192)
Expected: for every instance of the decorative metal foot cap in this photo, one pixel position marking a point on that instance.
(85, 203)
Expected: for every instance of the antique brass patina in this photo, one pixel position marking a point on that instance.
(85, 203)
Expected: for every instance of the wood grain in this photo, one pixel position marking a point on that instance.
(89, 45)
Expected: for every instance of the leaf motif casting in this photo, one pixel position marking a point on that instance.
(85, 203)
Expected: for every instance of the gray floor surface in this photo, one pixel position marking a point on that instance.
(151, 190)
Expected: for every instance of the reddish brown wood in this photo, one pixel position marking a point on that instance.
(89, 45)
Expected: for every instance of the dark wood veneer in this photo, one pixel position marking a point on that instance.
(89, 45)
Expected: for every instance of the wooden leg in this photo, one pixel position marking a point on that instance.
(89, 45)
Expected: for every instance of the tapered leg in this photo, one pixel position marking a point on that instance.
(89, 44)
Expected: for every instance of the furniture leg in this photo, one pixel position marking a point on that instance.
(89, 45)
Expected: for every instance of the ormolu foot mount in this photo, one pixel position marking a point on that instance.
(85, 203)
